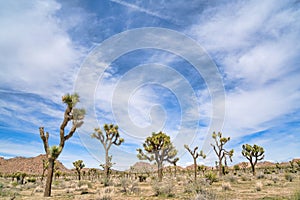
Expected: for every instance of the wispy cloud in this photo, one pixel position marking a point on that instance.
(140, 9)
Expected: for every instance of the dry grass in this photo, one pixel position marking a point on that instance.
(242, 186)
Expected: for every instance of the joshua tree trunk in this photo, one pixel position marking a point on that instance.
(107, 163)
(220, 167)
(160, 171)
(253, 168)
(47, 192)
(195, 169)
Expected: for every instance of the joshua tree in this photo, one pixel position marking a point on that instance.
(71, 114)
(107, 139)
(78, 167)
(160, 147)
(174, 162)
(195, 155)
(220, 151)
(253, 154)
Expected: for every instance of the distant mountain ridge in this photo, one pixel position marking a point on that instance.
(33, 165)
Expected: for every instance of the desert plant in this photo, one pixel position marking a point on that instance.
(226, 186)
(160, 147)
(174, 162)
(165, 188)
(253, 154)
(71, 114)
(289, 177)
(258, 186)
(221, 153)
(111, 137)
(79, 165)
(236, 167)
(211, 177)
(195, 155)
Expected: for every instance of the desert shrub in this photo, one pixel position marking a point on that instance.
(81, 183)
(289, 177)
(205, 195)
(195, 186)
(107, 182)
(14, 184)
(275, 179)
(261, 176)
(236, 167)
(244, 178)
(211, 177)
(1, 186)
(104, 197)
(296, 196)
(231, 179)
(164, 188)
(31, 180)
(129, 186)
(258, 186)
(226, 186)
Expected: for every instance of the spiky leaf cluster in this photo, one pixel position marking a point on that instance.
(160, 148)
(111, 136)
(254, 151)
(78, 164)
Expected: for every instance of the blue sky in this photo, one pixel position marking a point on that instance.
(45, 45)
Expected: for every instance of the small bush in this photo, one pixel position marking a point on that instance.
(296, 196)
(289, 177)
(211, 177)
(31, 180)
(261, 176)
(195, 187)
(165, 188)
(258, 186)
(275, 179)
(226, 186)
(105, 197)
(128, 186)
(232, 179)
(206, 195)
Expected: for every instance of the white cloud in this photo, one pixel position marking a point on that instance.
(36, 54)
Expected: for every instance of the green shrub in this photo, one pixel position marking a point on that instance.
(289, 177)
(31, 180)
(165, 188)
(296, 196)
(211, 177)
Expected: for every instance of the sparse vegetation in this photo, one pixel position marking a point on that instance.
(71, 114)
(107, 139)
(253, 154)
(195, 155)
(160, 148)
(79, 165)
(221, 153)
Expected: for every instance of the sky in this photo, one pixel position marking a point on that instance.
(186, 68)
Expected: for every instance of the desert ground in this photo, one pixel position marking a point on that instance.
(268, 183)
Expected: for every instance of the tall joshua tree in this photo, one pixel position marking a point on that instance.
(195, 155)
(71, 114)
(107, 139)
(79, 165)
(253, 154)
(220, 151)
(160, 148)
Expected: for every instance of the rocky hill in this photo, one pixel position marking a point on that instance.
(32, 165)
